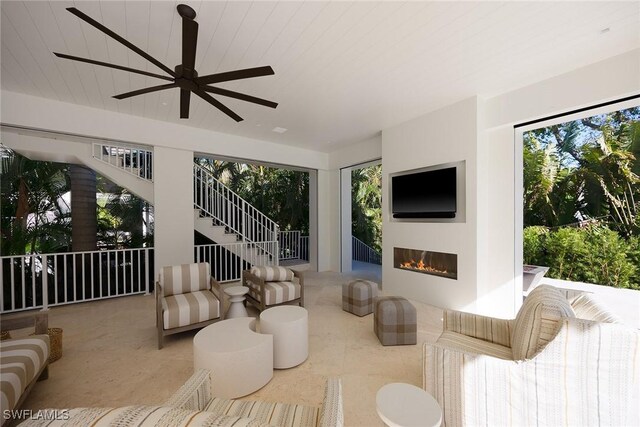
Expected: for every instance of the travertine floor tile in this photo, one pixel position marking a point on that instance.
(111, 357)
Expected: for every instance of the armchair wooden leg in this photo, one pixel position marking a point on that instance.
(160, 339)
(45, 373)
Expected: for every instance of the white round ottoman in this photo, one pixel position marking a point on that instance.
(236, 298)
(240, 360)
(289, 326)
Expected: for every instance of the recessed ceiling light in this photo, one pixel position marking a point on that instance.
(259, 125)
(279, 129)
(605, 30)
(164, 104)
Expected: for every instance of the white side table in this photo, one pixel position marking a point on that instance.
(289, 326)
(236, 297)
(405, 405)
(240, 359)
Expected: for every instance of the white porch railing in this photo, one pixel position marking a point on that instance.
(227, 208)
(304, 248)
(44, 280)
(132, 160)
(289, 242)
(228, 260)
(360, 251)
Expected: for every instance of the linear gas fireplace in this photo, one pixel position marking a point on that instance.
(426, 262)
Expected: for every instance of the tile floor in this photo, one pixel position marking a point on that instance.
(111, 356)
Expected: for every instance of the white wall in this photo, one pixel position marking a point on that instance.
(444, 136)
(173, 209)
(607, 80)
(354, 154)
(481, 132)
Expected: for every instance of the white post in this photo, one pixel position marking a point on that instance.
(173, 199)
(45, 283)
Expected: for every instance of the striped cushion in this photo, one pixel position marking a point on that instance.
(537, 321)
(587, 306)
(394, 321)
(358, 297)
(275, 292)
(277, 414)
(143, 416)
(273, 274)
(180, 279)
(187, 309)
(20, 361)
(485, 328)
(469, 344)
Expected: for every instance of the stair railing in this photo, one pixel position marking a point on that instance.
(228, 209)
(362, 252)
(132, 160)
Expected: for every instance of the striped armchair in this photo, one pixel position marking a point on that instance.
(270, 286)
(187, 297)
(546, 367)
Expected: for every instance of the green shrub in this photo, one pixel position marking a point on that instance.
(594, 254)
(533, 244)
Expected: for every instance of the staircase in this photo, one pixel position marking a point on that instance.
(223, 216)
(220, 214)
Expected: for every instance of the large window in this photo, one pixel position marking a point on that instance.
(582, 199)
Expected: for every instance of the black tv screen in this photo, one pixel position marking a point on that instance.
(430, 194)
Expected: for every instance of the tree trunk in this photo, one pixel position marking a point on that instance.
(84, 218)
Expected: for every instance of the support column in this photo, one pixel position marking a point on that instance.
(345, 220)
(313, 220)
(173, 207)
(329, 220)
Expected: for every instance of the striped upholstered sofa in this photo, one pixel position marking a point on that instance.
(557, 363)
(24, 360)
(192, 405)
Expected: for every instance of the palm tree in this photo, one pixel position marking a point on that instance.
(34, 212)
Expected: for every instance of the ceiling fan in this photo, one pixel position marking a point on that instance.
(184, 76)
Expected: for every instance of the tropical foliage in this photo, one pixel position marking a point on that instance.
(366, 205)
(582, 186)
(36, 213)
(281, 194)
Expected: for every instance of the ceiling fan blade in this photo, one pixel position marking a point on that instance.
(238, 95)
(185, 99)
(118, 38)
(145, 90)
(106, 64)
(218, 105)
(247, 73)
(189, 44)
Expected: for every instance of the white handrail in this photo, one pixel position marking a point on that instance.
(132, 160)
(227, 208)
(362, 252)
(45, 280)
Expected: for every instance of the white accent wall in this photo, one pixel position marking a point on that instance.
(445, 136)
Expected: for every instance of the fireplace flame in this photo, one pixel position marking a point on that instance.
(421, 266)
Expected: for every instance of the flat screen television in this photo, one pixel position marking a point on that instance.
(429, 194)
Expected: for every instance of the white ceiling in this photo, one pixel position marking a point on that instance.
(344, 70)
